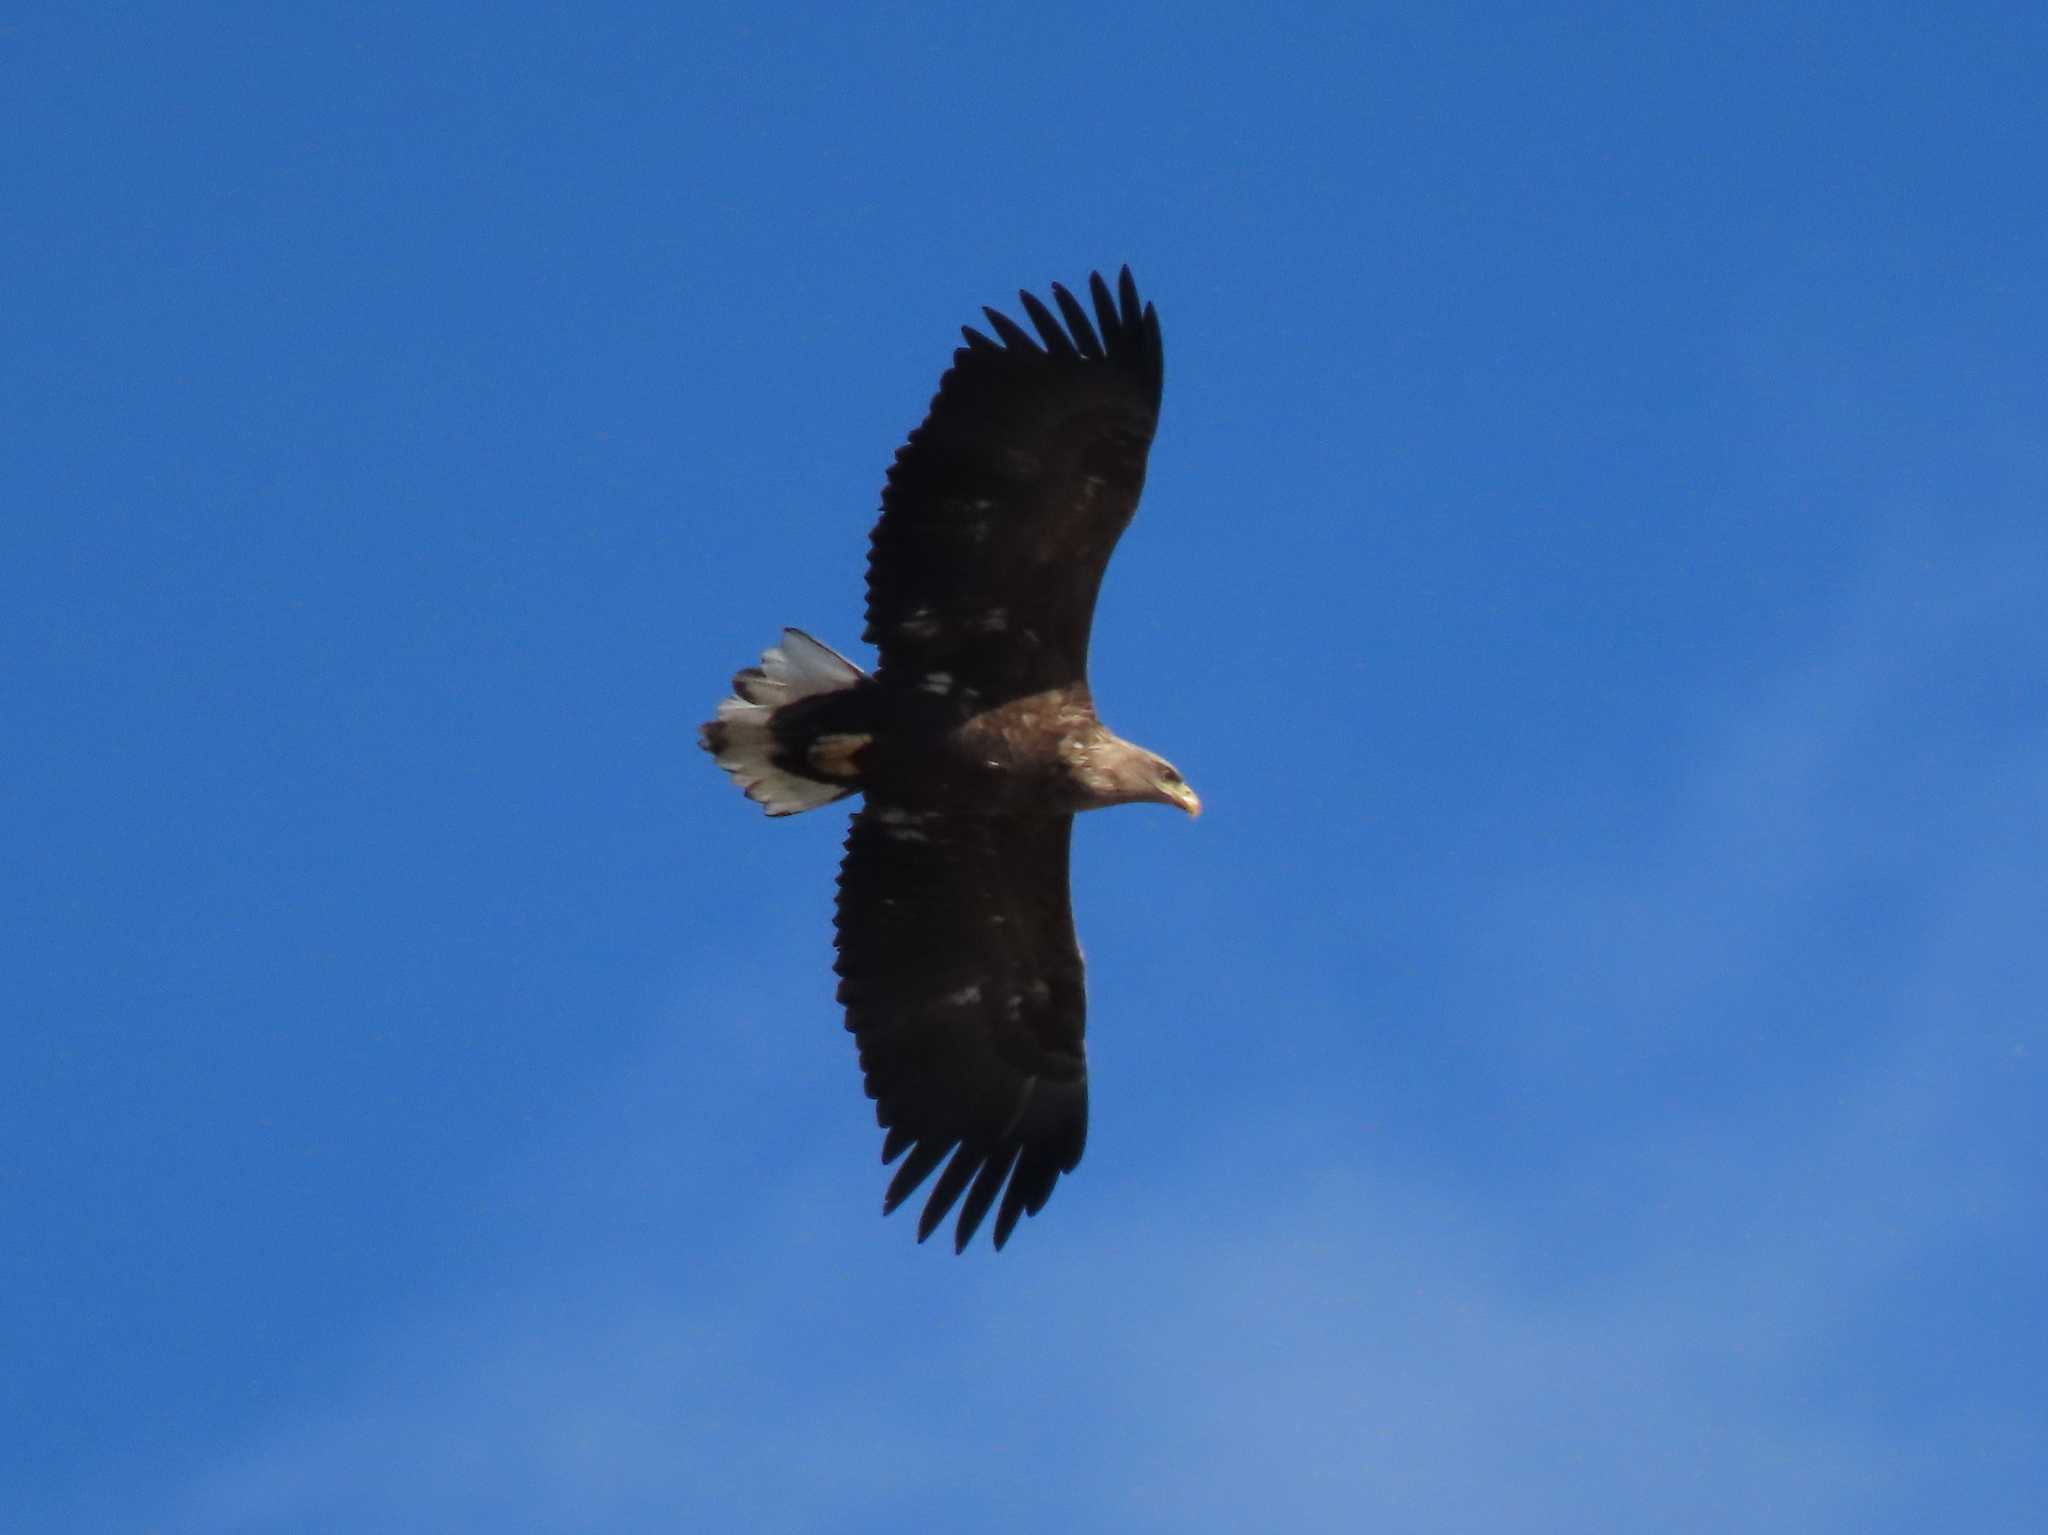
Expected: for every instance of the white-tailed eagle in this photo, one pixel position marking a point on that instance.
(974, 742)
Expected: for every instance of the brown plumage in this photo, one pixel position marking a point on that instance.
(975, 742)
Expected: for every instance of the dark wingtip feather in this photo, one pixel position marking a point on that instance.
(983, 1194)
(1031, 1185)
(1015, 337)
(1078, 322)
(915, 1169)
(965, 1164)
(1056, 340)
(1006, 1218)
(1127, 298)
(895, 1143)
(1105, 309)
(1155, 353)
(976, 341)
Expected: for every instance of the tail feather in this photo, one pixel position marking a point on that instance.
(744, 741)
(797, 668)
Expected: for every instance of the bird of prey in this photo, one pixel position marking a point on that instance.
(974, 742)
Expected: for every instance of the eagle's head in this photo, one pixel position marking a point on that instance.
(1112, 771)
(1169, 788)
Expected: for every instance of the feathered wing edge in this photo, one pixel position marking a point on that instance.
(958, 571)
(1032, 1156)
(1124, 330)
(963, 990)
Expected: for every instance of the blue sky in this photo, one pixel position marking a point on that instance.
(1584, 1071)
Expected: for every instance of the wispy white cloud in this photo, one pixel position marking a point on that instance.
(1360, 1349)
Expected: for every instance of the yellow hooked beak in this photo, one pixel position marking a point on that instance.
(1180, 794)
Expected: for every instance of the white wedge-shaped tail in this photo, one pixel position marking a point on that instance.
(743, 739)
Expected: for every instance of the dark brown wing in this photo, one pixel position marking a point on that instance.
(1003, 507)
(962, 984)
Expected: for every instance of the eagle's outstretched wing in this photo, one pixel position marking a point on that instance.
(1002, 509)
(962, 984)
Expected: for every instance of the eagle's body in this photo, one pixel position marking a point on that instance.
(975, 743)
